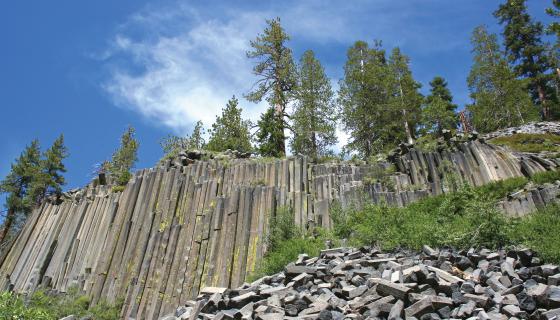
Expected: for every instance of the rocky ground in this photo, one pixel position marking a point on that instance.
(369, 284)
(530, 128)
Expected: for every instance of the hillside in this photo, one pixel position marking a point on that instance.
(191, 223)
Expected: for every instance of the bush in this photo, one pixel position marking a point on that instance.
(285, 241)
(42, 305)
(460, 219)
(546, 177)
(539, 231)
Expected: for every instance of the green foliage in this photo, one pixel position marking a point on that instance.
(230, 131)
(314, 116)
(546, 177)
(539, 231)
(461, 219)
(270, 134)
(50, 179)
(118, 188)
(18, 184)
(285, 241)
(282, 227)
(276, 71)
(496, 92)
(13, 307)
(527, 52)
(172, 144)
(33, 176)
(379, 99)
(426, 143)
(525, 142)
(438, 112)
(44, 306)
(124, 158)
(500, 189)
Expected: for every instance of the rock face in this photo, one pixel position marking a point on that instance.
(186, 225)
(368, 284)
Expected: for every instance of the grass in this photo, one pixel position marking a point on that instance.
(525, 142)
(44, 306)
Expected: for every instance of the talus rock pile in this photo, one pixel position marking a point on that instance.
(369, 284)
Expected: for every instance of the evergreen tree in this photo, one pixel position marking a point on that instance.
(276, 71)
(17, 184)
(50, 180)
(269, 134)
(196, 141)
(377, 97)
(314, 116)
(524, 47)
(554, 11)
(554, 50)
(499, 99)
(438, 112)
(124, 158)
(406, 98)
(230, 131)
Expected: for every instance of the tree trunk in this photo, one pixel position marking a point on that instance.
(280, 119)
(10, 218)
(407, 129)
(543, 102)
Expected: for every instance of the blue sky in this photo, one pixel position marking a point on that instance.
(89, 69)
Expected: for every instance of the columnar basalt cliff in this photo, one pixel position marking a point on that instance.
(178, 228)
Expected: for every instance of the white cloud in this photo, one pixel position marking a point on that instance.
(179, 64)
(188, 75)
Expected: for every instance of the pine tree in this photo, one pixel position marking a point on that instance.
(438, 112)
(554, 11)
(196, 140)
(124, 158)
(554, 50)
(230, 131)
(276, 71)
(269, 134)
(372, 101)
(17, 184)
(524, 48)
(314, 116)
(499, 99)
(406, 98)
(50, 180)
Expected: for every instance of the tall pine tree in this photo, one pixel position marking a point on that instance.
(18, 185)
(438, 112)
(499, 98)
(230, 131)
(406, 98)
(364, 97)
(526, 51)
(51, 179)
(276, 71)
(314, 116)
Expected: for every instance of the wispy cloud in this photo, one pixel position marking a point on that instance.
(181, 63)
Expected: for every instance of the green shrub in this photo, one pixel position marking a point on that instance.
(13, 307)
(42, 305)
(540, 231)
(118, 188)
(461, 219)
(546, 177)
(500, 189)
(524, 142)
